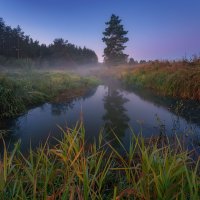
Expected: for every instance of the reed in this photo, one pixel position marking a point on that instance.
(73, 169)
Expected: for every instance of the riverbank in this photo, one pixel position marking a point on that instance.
(179, 80)
(22, 90)
(150, 169)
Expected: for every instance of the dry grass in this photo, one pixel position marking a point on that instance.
(178, 79)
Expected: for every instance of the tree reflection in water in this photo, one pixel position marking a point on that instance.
(61, 108)
(115, 117)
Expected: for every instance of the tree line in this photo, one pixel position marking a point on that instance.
(14, 44)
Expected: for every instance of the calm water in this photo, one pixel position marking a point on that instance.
(104, 107)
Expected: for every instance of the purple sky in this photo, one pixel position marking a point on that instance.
(158, 29)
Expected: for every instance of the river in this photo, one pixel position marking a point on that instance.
(103, 108)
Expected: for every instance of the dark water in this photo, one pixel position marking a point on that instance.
(104, 107)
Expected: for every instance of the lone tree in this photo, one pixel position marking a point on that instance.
(115, 38)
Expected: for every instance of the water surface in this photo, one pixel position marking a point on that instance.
(102, 107)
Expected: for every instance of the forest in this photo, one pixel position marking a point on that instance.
(17, 48)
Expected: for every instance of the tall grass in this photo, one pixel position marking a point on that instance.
(73, 169)
(19, 90)
(173, 79)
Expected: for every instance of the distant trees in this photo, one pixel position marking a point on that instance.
(64, 52)
(142, 61)
(115, 38)
(15, 44)
(132, 61)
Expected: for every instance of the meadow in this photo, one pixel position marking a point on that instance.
(176, 79)
(22, 89)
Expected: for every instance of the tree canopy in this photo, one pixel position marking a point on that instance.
(14, 44)
(115, 38)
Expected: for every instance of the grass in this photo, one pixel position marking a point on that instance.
(178, 79)
(73, 169)
(20, 90)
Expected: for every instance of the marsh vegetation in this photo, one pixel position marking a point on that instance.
(73, 169)
(20, 90)
(177, 79)
(79, 165)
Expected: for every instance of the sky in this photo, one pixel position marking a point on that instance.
(158, 29)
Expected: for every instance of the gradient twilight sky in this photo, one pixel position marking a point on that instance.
(158, 29)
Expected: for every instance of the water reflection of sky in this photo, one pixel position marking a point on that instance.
(101, 107)
(151, 115)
